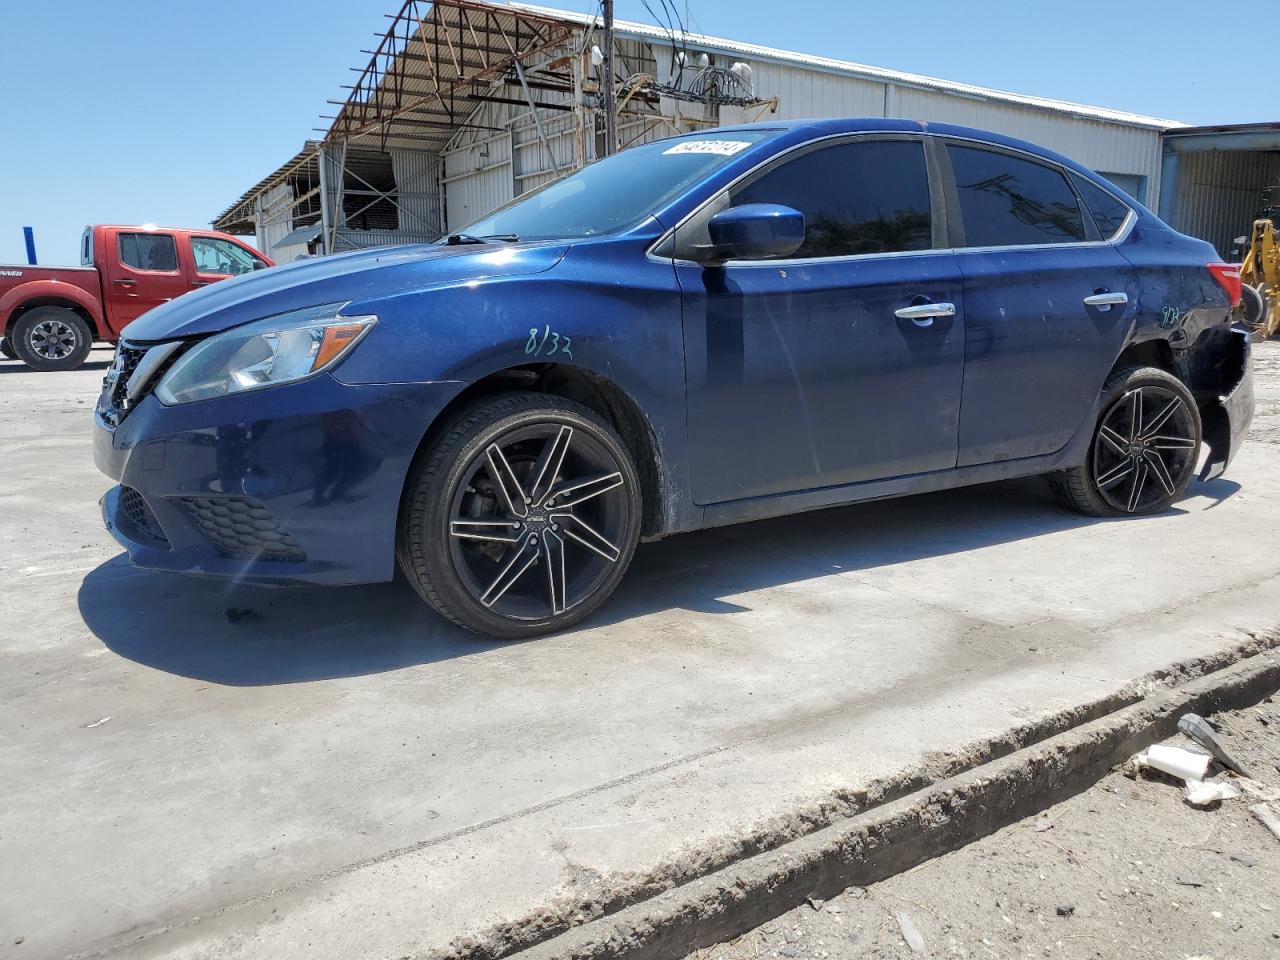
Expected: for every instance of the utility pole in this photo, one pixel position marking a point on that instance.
(610, 116)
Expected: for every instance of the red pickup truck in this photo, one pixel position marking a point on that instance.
(50, 316)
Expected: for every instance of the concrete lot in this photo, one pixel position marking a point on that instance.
(343, 772)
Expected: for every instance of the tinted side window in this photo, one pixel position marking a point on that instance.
(1108, 212)
(1006, 200)
(865, 197)
(149, 251)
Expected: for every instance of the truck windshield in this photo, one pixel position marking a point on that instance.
(618, 191)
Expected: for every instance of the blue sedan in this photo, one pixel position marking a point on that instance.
(734, 324)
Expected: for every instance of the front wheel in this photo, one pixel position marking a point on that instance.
(521, 517)
(1144, 448)
(6, 348)
(51, 338)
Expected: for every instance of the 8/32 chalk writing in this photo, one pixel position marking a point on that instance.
(536, 347)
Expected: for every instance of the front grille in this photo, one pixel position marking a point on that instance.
(242, 528)
(139, 514)
(127, 361)
(116, 404)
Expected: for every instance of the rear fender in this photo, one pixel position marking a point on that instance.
(55, 293)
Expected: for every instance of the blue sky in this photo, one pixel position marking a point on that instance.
(150, 110)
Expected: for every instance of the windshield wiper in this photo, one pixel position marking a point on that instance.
(455, 239)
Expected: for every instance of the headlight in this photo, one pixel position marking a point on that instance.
(280, 349)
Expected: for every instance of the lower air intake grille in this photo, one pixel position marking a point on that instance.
(139, 514)
(242, 528)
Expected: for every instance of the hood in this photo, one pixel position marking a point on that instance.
(361, 275)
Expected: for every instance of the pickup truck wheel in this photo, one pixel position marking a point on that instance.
(6, 348)
(521, 517)
(1144, 449)
(51, 338)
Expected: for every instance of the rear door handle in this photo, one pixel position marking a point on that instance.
(125, 282)
(201, 283)
(922, 314)
(1104, 300)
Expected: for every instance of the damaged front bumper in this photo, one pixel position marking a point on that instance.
(1225, 421)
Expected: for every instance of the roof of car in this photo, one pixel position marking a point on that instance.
(828, 126)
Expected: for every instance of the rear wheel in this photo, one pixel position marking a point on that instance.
(51, 338)
(6, 348)
(1144, 448)
(522, 517)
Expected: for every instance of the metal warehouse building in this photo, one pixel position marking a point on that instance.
(464, 105)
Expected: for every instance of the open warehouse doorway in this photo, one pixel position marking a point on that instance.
(1216, 180)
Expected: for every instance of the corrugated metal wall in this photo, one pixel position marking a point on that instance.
(477, 171)
(417, 176)
(1219, 192)
(814, 93)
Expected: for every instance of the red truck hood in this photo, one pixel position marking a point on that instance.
(362, 275)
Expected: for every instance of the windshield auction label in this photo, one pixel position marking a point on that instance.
(723, 148)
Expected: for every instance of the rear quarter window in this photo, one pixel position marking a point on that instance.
(1011, 201)
(1107, 211)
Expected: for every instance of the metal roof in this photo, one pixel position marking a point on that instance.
(437, 61)
(849, 68)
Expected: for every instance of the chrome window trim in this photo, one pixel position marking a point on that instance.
(1115, 239)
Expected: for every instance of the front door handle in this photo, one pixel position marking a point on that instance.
(1104, 300)
(922, 314)
(200, 283)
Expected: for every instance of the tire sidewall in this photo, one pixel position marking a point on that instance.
(19, 338)
(425, 552)
(1117, 386)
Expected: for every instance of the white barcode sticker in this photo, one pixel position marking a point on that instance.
(723, 148)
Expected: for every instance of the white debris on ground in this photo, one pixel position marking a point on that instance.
(1129, 868)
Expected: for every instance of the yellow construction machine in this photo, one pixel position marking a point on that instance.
(1260, 271)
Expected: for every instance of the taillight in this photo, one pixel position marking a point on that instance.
(1228, 277)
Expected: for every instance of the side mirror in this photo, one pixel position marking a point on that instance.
(259, 264)
(754, 231)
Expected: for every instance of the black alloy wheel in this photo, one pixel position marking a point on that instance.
(51, 338)
(522, 517)
(1144, 447)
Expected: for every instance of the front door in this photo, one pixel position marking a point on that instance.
(215, 258)
(143, 273)
(1048, 301)
(843, 362)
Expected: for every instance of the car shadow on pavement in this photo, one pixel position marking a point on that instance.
(241, 635)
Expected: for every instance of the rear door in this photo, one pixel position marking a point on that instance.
(1048, 302)
(814, 371)
(216, 258)
(142, 271)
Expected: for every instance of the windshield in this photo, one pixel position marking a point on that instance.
(618, 191)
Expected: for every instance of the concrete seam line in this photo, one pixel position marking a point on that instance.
(837, 807)
(904, 833)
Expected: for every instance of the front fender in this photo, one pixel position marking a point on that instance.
(605, 309)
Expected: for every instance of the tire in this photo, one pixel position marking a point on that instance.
(487, 561)
(51, 338)
(1122, 474)
(6, 348)
(1253, 306)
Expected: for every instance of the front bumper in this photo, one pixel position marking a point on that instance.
(299, 483)
(1225, 422)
